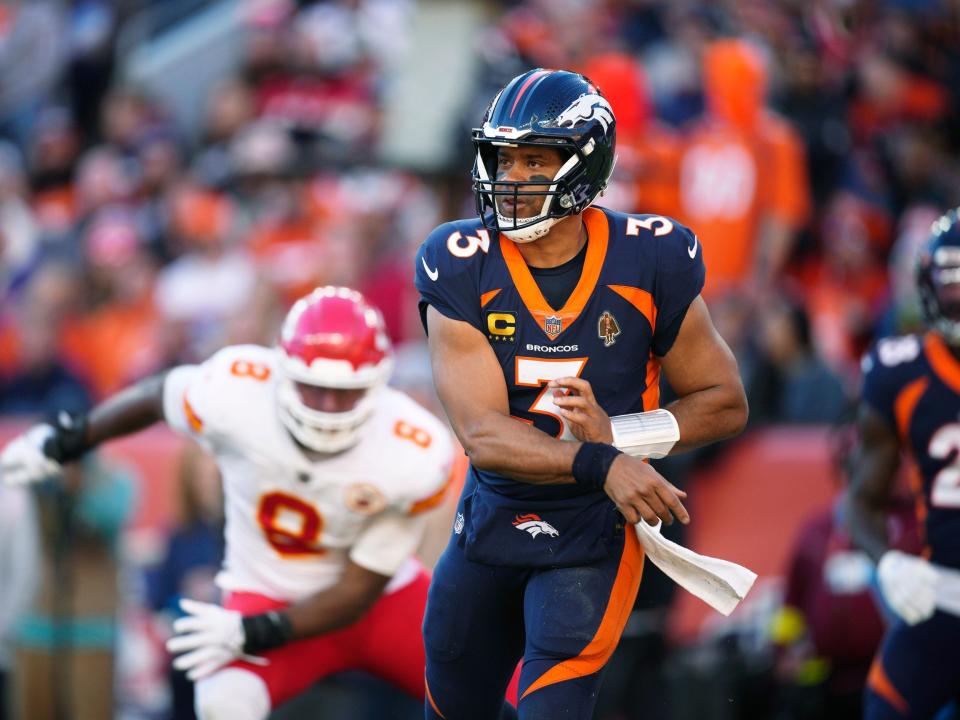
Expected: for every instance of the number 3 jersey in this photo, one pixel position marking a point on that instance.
(913, 382)
(292, 521)
(640, 274)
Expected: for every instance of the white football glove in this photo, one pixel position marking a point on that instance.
(23, 460)
(209, 638)
(909, 585)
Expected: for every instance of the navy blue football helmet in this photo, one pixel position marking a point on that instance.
(938, 277)
(551, 108)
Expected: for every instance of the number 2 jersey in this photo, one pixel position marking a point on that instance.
(913, 382)
(292, 521)
(640, 274)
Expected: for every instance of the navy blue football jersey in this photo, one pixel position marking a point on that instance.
(640, 274)
(913, 382)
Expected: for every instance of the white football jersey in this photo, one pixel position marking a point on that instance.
(291, 522)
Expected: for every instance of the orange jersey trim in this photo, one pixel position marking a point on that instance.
(488, 296)
(880, 683)
(944, 364)
(595, 655)
(906, 402)
(904, 405)
(431, 501)
(651, 395)
(598, 238)
(640, 299)
(193, 420)
(426, 686)
(915, 482)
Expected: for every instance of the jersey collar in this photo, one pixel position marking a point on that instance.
(555, 322)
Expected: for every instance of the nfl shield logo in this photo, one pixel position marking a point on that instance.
(552, 326)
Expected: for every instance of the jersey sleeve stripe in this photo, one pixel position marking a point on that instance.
(905, 404)
(880, 683)
(942, 362)
(196, 424)
(651, 393)
(454, 478)
(430, 501)
(920, 510)
(430, 699)
(640, 299)
(488, 296)
(595, 655)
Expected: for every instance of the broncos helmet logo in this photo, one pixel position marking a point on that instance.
(584, 108)
(534, 525)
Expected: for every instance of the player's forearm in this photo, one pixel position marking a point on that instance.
(503, 445)
(130, 410)
(708, 415)
(327, 611)
(867, 528)
(871, 482)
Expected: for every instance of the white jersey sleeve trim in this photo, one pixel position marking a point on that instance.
(389, 541)
(175, 407)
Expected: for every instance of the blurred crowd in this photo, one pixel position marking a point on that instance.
(809, 144)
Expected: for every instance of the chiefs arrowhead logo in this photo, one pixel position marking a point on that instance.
(534, 525)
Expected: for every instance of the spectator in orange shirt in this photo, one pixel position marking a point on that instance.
(646, 176)
(118, 340)
(743, 180)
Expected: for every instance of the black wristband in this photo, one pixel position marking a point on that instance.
(592, 463)
(69, 439)
(266, 631)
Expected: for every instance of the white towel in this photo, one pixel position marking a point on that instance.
(948, 590)
(719, 583)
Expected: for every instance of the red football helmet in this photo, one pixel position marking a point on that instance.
(331, 340)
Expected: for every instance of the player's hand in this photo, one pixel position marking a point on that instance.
(909, 585)
(641, 493)
(23, 460)
(208, 637)
(586, 419)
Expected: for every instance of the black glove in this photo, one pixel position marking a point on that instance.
(68, 441)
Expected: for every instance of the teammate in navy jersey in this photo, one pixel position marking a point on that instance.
(911, 402)
(549, 323)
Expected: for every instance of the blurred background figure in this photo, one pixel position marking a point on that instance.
(192, 557)
(19, 568)
(743, 178)
(791, 384)
(66, 641)
(830, 626)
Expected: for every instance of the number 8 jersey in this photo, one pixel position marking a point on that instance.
(913, 382)
(640, 274)
(291, 521)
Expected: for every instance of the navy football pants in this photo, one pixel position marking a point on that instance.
(564, 623)
(917, 671)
